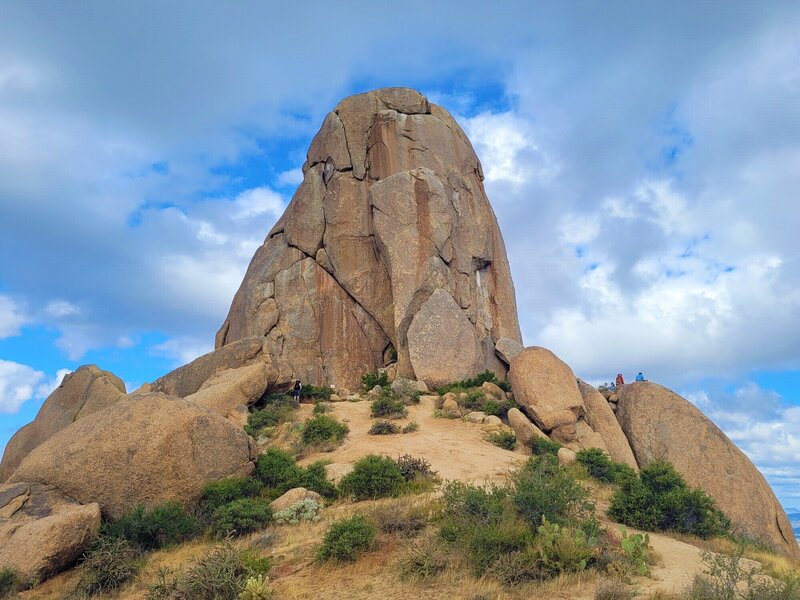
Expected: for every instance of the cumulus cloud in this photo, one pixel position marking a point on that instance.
(20, 383)
(12, 317)
(183, 350)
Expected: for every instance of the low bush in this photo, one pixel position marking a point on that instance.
(347, 539)
(312, 392)
(279, 472)
(401, 518)
(516, 567)
(269, 416)
(8, 582)
(612, 589)
(467, 504)
(373, 477)
(304, 511)
(222, 574)
(321, 408)
(422, 560)
(636, 551)
(660, 500)
(387, 406)
(476, 381)
(489, 542)
(324, 432)
(542, 489)
(412, 468)
(149, 529)
(541, 446)
(219, 493)
(411, 427)
(602, 468)
(503, 439)
(370, 380)
(563, 549)
(241, 516)
(383, 427)
(109, 563)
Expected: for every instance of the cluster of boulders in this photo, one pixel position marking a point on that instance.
(388, 258)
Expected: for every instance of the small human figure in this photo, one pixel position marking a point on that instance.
(298, 387)
(620, 380)
(640, 377)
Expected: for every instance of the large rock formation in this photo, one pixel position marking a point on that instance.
(146, 449)
(391, 217)
(41, 531)
(601, 419)
(81, 393)
(659, 424)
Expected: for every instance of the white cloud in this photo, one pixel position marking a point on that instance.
(257, 202)
(20, 383)
(61, 308)
(292, 177)
(12, 317)
(46, 388)
(183, 350)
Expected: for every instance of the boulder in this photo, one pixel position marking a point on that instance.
(659, 424)
(450, 408)
(232, 388)
(476, 417)
(493, 390)
(545, 386)
(525, 431)
(600, 417)
(442, 344)
(81, 393)
(391, 211)
(41, 531)
(566, 457)
(292, 497)
(507, 349)
(188, 379)
(148, 449)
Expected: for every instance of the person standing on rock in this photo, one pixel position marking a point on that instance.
(298, 387)
(620, 380)
(640, 377)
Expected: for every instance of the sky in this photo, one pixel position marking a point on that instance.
(643, 159)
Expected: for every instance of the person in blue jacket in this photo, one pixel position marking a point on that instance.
(640, 377)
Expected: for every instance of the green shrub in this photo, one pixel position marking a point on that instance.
(388, 407)
(400, 518)
(241, 516)
(541, 446)
(321, 408)
(222, 574)
(347, 539)
(313, 392)
(270, 416)
(490, 542)
(279, 472)
(602, 468)
(218, 493)
(477, 381)
(383, 427)
(109, 563)
(542, 489)
(324, 431)
(373, 477)
(635, 549)
(412, 468)
(411, 427)
(474, 400)
(422, 560)
(612, 589)
(563, 549)
(516, 567)
(8, 582)
(660, 500)
(370, 380)
(148, 529)
(464, 503)
(503, 439)
(305, 510)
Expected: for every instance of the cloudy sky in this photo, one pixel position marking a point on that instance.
(643, 159)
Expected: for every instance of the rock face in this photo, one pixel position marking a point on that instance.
(545, 386)
(81, 393)
(601, 419)
(659, 424)
(232, 389)
(388, 241)
(41, 531)
(145, 449)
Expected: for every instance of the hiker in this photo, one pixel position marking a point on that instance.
(298, 387)
(620, 380)
(640, 377)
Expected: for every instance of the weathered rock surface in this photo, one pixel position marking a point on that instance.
(233, 388)
(545, 386)
(81, 393)
(292, 497)
(189, 378)
(391, 212)
(602, 420)
(41, 531)
(525, 431)
(145, 449)
(507, 349)
(659, 424)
